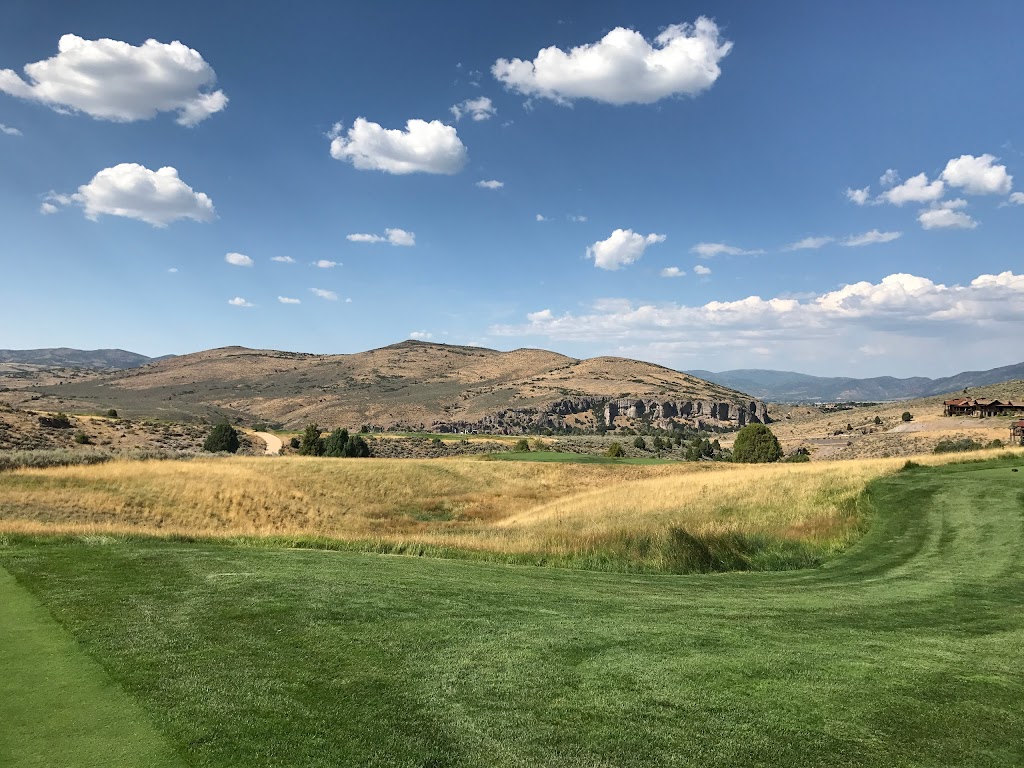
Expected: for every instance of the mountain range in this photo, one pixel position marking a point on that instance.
(63, 357)
(790, 387)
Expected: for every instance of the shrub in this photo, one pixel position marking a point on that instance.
(878, 419)
(907, 416)
(659, 444)
(962, 445)
(312, 444)
(997, 443)
(357, 448)
(615, 451)
(437, 442)
(111, 414)
(522, 446)
(59, 421)
(640, 444)
(294, 443)
(756, 444)
(222, 438)
(81, 438)
(798, 456)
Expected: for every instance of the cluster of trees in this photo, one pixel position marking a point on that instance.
(338, 444)
(965, 444)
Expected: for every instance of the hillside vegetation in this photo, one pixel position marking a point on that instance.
(411, 385)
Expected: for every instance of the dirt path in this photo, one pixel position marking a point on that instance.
(274, 444)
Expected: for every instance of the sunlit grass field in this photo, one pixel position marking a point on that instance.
(903, 651)
(673, 517)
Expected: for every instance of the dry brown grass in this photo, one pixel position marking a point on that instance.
(498, 507)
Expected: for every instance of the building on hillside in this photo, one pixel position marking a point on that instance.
(966, 406)
(1017, 432)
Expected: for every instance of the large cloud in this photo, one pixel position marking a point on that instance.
(622, 248)
(623, 67)
(947, 215)
(899, 302)
(112, 80)
(421, 148)
(135, 192)
(978, 175)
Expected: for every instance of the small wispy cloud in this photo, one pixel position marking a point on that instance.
(238, 301)
(672, 272)
(700, 269)
(871, 238)
(283, 259)
(577, 219)
(325, 264)
(491, 184)
(395, 236)
(286, 300)
(324, 294)
(9, 131)
(541, 217)
(809, 243)
(173, 270)
(710, 250)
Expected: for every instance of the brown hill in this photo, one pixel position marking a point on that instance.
(410, 385)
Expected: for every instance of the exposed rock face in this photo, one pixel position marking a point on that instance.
(697, 413)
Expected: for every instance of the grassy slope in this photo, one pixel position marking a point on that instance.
(904, 652)
(58, 706)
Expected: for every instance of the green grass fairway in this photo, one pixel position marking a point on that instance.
(57, 706)
(571, 458)
(907, 651)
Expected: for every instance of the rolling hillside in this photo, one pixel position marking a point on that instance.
(410, 385)
(63, 357)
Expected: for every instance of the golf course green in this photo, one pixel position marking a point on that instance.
(907, 650)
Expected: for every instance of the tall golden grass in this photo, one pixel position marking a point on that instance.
(572, 510)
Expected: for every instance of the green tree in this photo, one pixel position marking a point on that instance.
(222, 439)
(522, 446)
(907, 416)
(334, 443)
(312, 444)
(659, 444)
(878, 419)
(756, 444)
(640, 443)
(111, 414)
(357, 448)
(615, 451)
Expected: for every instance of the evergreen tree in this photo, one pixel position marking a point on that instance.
(334, 444)
(223, 438)
(312, 444)
(756, 444)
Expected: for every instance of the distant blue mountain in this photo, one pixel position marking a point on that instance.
(63, 357)
(790, 387)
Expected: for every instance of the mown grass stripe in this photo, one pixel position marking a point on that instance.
(57, 706)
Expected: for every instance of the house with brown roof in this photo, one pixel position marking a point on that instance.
(966, 406)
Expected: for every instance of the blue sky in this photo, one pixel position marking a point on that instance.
(715, 149)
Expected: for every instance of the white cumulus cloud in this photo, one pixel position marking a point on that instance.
(238, 301)
(623, 67)
(113, 80)
(916, 189)
(858, 196)
(286, 300)
(421, 335)
(978, 175)
(700, 269)
(947, 215)
(890, 178)
(672, 272)
(491, 184)
(325, 264)
(393, 235)
(238, 259)
(135, 192)
(324, 294)
(48, 209)
(871, 238)
(623, 247)
(1017, 198)
(421, 148)
(541, 217)
(479, 109)
(899, 303)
